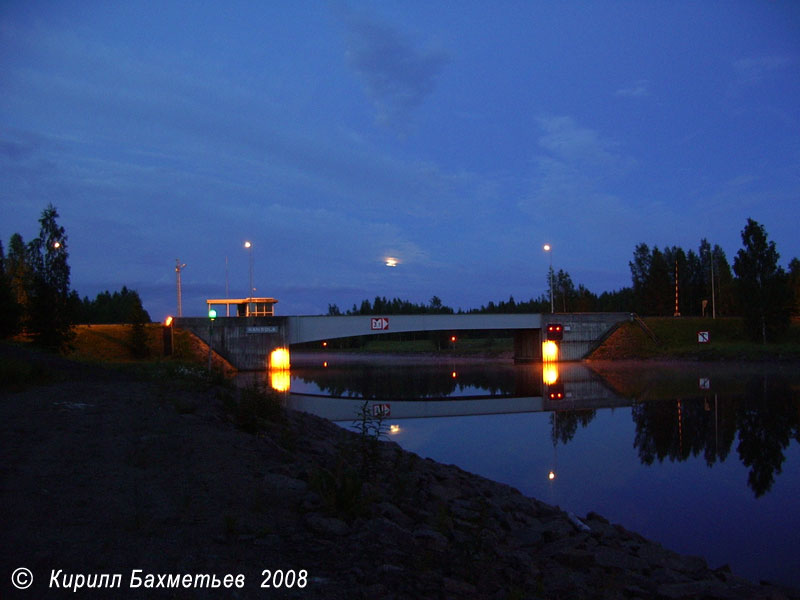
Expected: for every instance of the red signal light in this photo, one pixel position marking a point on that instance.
(555, 331)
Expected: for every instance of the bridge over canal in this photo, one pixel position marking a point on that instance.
(247, 342)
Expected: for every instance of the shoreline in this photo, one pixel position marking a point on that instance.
(108, 470)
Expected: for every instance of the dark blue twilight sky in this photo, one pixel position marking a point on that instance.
(457, 137)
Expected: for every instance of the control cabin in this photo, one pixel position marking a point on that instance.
(245, 307)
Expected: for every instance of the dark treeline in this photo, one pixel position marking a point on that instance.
(704, 281)
(667, 281)
(35, 295)
(34, 279)
(566, 298)
(124, 306)
(395, 306)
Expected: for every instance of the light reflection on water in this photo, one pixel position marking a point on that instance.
(702, 458)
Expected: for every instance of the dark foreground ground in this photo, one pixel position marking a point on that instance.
(110, 471)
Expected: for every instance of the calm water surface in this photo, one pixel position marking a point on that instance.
(704, 459)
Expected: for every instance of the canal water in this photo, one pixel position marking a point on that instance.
(703, 458)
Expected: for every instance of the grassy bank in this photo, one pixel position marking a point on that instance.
(677, 338)
(117, 344)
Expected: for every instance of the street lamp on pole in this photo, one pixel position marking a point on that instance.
(249, 247)
(549, 250)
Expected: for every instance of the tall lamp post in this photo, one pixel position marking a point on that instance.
(713, 299)
(178, 268)
(549, 250)
(227, 290)
(249, 247)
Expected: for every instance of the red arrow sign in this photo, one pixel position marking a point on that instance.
(379, 324)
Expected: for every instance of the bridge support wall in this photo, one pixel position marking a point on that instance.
(245, 342)
(583, 332)
(527, 346)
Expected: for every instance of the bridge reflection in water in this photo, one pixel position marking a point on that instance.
(401, 388)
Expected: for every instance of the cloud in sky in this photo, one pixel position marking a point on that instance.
(396, 72)
(753, 70)
(638, 89)
(575, 183)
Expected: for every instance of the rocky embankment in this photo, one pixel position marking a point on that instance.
(106, 472)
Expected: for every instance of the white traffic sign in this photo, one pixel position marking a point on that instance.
(703, 337)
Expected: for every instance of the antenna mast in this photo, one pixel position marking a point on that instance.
(178, 267)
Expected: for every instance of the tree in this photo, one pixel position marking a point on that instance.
(49, 315)
(585, 301)
(794, 286)
(659, 286)
(124, 306)
(766, 420)
(617, 301)
(10, 308)
(19, 271)
(640, 267)
(762, 285)
(716, 280)
(137, 316)
(564, 291)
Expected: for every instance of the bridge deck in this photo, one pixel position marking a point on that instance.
(316, 328)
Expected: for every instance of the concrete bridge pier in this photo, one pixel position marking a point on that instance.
(245, 342)
(527, 346)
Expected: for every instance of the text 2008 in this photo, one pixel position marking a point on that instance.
(284, 579)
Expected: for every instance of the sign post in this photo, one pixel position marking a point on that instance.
(212, 314)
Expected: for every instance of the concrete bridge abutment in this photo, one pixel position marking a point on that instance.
(245, 342)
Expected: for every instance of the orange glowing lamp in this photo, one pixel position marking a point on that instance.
(550, 374)
(279, 359)
(280, 381)
(549, 351)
